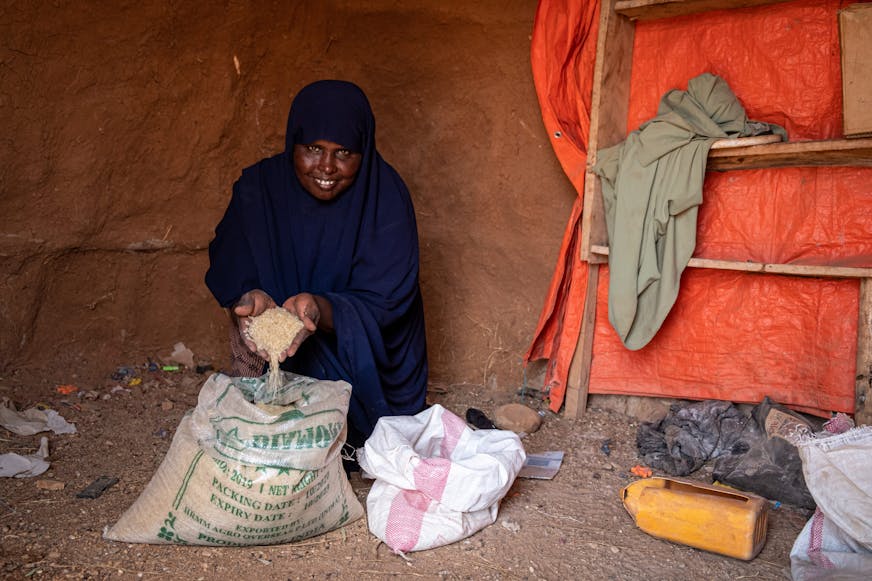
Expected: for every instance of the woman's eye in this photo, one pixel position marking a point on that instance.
(313, 148)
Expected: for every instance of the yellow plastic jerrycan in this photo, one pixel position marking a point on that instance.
(712, 518)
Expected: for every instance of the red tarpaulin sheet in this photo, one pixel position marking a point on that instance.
(731, 336)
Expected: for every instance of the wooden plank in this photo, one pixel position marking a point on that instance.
(746, 141)
(863, 385)
(578, 380)
(837, 152)
(820, 271)
(653, 9)
(610, 101)
(863, 389)
(593, 219)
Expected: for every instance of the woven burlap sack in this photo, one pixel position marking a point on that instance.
(239, 473)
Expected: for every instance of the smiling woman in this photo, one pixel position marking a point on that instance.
(326, 230)
(325, 169)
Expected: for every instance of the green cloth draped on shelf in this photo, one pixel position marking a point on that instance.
(652, 188)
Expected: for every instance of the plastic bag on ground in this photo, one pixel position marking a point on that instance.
(32, 421)
(437, 481)
(12, 464)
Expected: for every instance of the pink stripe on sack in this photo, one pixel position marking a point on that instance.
(453, 428)
(816, 542)
(403, 527)
(431, 474)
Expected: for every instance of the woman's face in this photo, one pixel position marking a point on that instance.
(325, 169)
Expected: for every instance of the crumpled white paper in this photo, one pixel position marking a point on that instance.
(15, 465)
(183, 355)
(32, 421)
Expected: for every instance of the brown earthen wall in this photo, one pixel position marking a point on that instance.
(125, 125)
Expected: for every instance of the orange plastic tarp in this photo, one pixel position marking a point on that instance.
(563, 52)
(731, 336)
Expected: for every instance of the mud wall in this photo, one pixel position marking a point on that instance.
(125, 125)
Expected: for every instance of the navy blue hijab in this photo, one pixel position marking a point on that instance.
(359, 250)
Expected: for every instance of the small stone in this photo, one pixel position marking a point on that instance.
(46, 484)
(166, 405)
(53, 555)
(517, 418)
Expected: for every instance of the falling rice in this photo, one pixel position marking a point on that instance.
(273, 331)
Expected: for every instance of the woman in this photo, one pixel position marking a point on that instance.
(326, 229)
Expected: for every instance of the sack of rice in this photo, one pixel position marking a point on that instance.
(241, 473)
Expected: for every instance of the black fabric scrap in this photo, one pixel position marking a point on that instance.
(688, 436)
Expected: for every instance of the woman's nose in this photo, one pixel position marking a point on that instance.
(327, 163)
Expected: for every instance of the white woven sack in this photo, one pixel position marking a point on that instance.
(239, 473)
(436, 480)
(836, 542)
(822, 552)
(838, 473)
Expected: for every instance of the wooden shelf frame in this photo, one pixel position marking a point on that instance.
(610, 106)
(836, 152)
(608, 127)
(654, 9)
(815, 270)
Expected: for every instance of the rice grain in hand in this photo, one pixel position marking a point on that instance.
(273, 331)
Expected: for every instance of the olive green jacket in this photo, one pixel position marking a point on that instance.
(652, 188)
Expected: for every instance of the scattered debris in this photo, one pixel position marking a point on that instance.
(15, 465)
(166, 405)
(182, 355)
(477, 419)
(641, 471)
(49, 484)
(66, 389)
(33, 420)
(604, 448)
(122, 373)
(75, 406)
(510, 525)
(542, 466)
(98, 487)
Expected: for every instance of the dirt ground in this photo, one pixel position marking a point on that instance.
(571, 527)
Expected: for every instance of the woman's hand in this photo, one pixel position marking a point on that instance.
(314, 311)
(251, 304)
